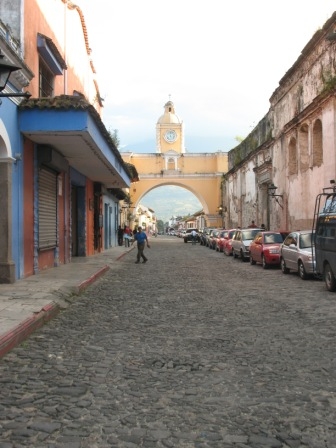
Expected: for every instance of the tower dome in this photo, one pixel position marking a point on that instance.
(169, 115)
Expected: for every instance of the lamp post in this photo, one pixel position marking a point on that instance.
(6, 69)
(271, 193)
(220, 212)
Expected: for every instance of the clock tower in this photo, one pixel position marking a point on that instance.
(169, 132)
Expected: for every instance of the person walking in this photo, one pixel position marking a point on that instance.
(141, 238)
(193, 236)
(120, 236)
(127, 236)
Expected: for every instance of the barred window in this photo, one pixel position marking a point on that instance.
(46, 80)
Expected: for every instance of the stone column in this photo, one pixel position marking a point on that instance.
(7, 266)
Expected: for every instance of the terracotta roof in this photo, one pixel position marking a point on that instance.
(72, 6)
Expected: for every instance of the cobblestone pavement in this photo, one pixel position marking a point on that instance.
(192, 349)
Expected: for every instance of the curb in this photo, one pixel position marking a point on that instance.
(79, 288)
(21, 332)
(126, 252)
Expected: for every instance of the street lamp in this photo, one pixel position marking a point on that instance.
(220, 212)
(6, 69)
(271, 193)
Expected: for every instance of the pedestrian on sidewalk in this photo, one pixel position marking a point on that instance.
(127, 236)
(120, 236)
(141, 238)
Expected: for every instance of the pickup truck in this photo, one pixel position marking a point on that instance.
(188, 237)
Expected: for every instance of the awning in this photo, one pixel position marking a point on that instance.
(74, 128)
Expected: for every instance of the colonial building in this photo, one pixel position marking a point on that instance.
(277, 171)
(171, 164)
(61, 173)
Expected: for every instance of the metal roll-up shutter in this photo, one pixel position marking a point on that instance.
(47, 208)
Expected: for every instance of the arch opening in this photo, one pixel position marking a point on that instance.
(171, 200)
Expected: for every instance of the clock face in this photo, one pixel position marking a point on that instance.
(170, 136)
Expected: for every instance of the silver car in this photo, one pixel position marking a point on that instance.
(241, 241)
(297, 253)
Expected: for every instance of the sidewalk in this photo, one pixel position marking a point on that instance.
(27, 304)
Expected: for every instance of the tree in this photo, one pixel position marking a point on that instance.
(160, 225)
(115, 137)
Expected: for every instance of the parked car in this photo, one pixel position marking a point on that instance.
(297, 254)
(227, 242)
(241, 241)
(188, 237)
(265, 249)
(215, 238)
(220, 240)
(204, 234)
(209, 236)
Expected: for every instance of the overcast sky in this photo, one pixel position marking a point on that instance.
(219, 60)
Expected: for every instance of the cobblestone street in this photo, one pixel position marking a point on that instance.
(192, 349)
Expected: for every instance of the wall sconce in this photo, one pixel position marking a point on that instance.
(17, 157)
(271, 193)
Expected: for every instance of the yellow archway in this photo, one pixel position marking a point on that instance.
(200, 173)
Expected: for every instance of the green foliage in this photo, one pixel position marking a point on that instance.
(160, 225)
(329, 82)
(251, 143)
(133, 172)
(237, 157)
(127, 199)
(114, 137)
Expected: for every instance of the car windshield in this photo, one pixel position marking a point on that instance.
(306, 241)
(250, 234)
(271, 238)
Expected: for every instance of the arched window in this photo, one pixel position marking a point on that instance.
(304, 147)
(317, 143)
(292, 157)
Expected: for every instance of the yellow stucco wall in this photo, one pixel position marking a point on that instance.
(200, 173)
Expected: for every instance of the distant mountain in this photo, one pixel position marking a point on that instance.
(170, 200)
(192, 144)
